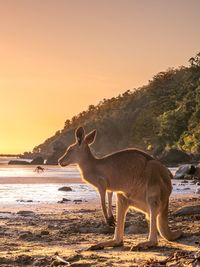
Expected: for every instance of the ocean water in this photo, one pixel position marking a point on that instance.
(41, 192)
(48, 192)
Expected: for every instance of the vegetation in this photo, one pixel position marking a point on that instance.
(161, 115)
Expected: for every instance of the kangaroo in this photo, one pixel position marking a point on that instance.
(39, 169)
(139, 180)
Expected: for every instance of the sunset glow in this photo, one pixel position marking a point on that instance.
(58, 57)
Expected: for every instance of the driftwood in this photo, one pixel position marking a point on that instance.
(59, 261)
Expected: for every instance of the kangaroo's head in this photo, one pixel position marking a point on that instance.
(79, 150)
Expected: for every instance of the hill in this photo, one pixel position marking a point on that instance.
(159, 116)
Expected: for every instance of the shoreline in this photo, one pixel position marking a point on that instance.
(40, 180)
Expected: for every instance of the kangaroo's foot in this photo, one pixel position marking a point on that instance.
(102, 245)
(175, 235)
(144, 245)
(111, 221)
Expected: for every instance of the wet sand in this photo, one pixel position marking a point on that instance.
(47, 234)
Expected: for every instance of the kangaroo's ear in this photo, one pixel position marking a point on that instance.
(80, 134)
(89, 138)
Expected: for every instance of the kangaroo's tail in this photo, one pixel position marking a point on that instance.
(163, 227)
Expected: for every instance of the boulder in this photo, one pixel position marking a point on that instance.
(65, 188)
(174, 156)
(185, 171)
(37, 161)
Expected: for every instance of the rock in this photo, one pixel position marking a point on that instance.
(18, 162)
(174, 156)
(197, 172)
(185, 171)
(65, 188)
(78, 200)
(37, 161)
(197, 190)
(25, 212)
(44, 232)
(64, 200)
(188, 210)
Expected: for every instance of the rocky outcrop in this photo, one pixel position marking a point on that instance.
(188, 171)
(37, 161)
(18, 162)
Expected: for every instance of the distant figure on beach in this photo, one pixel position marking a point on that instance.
(39, 169)
(139, 180)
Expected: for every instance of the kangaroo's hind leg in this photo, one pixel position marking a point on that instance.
(122, 207)
(152, 238)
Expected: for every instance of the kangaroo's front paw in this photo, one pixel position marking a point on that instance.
(96, 247)
(111, 221)
(144, 245)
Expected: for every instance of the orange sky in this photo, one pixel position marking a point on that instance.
(59, 56)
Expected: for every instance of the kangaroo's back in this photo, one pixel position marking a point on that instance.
(124, 169)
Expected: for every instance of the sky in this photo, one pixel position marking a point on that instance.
(59, 56)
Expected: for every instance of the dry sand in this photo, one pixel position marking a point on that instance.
(44, 235)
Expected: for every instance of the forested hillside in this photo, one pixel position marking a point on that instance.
(156, 117)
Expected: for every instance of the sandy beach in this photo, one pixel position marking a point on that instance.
(44, 235)
(37, 228)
